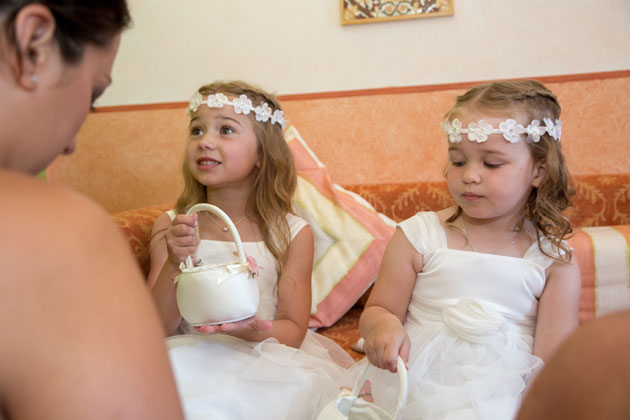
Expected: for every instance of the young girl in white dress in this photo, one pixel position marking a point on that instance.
(475, 297)
(268, 366)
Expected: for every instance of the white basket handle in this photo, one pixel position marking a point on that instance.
(226, 219)
(402, 386)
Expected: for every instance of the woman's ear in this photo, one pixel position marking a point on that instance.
(34, 42)
(540, 170)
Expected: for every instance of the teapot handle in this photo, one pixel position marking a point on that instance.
(402, 386)
(226, 219)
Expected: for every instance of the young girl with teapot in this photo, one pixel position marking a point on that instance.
(268, 365)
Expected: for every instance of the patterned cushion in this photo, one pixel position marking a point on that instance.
(136, 226)
(350, 236)
(601, 200)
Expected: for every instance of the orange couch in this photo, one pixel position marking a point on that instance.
(130, 157)
(602, 210)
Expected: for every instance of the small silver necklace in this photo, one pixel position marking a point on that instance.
(495, 251)
(223, 227)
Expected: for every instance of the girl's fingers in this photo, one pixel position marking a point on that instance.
(182, 219)
(391, 358)
(405, 350)
(208, 329)
(253, 323)
(183, 231)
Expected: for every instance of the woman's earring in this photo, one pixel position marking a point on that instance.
(34, 79)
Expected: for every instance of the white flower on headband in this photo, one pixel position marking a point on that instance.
(554, 131)
(217, 100)
(452, 130)
(511, 130)
(479, 131)
(534, 131)
(278, 117)
(195, 102)
(263, 112)
(242, 105)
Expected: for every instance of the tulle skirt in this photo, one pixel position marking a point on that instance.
(222, 377)
(458, 371)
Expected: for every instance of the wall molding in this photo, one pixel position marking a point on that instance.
(379, 91)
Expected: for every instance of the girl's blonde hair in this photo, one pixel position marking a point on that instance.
(275, 180)
(547, 202)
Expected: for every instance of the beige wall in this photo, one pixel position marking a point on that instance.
(299, 46)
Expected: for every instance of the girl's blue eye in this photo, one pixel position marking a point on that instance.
(457, 163)
(196, 131)
(492, 165)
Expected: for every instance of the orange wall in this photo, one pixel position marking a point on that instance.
(129, 157)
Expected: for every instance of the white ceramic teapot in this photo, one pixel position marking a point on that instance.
(217, 293)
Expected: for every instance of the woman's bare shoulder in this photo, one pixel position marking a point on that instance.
(72, 291)
(36, 202)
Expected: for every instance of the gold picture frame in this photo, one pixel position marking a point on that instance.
(367, 11)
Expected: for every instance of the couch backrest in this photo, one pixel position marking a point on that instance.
(130, 157)
(600, 200)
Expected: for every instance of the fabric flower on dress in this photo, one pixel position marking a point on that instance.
(263, 112)
(511, 130)
(479, 131)
(242, 105)
(452, 129)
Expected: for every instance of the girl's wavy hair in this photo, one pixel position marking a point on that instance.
(275, 180)
(547, 202)
(77, 22)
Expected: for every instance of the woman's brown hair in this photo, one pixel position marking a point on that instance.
(77, 22)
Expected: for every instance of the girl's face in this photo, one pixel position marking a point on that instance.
(492, 179)
(222, 149)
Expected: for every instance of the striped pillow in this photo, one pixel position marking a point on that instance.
(604, 259)
(350, 236)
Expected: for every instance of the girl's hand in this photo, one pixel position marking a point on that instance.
(181, 238)
(241, 328)
(385, 343)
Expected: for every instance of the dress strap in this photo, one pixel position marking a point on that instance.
(296, 224)
(425, 232)
(534, 253)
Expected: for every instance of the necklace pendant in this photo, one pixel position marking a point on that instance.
(225, 228)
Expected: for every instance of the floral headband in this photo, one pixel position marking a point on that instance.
(242, 105)
(511, 130)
